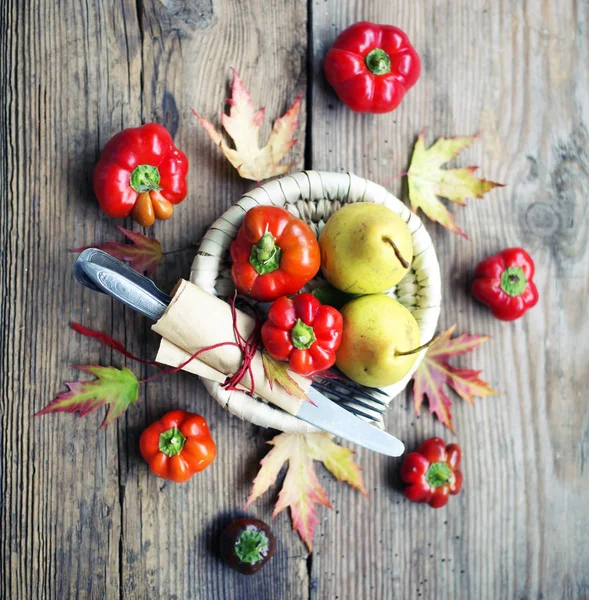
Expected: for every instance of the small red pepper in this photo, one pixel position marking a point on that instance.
(504, 283)
(178, 446)
(274, 254)
(141, 173)
(432, 472)
(304, 332)
(371, 67)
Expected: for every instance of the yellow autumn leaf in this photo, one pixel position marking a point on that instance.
(242, 124)
(301, 489)
(277, 372)
(427, 180)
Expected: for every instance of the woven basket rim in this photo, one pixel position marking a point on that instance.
(315, 193)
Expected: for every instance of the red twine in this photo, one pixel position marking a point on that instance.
(248, 348)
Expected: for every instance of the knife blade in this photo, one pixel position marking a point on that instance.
(329, 416)
(101, 272)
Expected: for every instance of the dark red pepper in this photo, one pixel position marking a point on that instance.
(432, 472)
(304, 332)
(504, 283)
(247, 545)
(371, 67)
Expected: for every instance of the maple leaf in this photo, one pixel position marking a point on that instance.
(143, 255)
(435, 370)
(117, 388)
(301, 489)
(427, 180)
(243, 124)
(276, 371)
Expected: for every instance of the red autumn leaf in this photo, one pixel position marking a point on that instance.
(143, 255)
(243, 124)
(109, 342)
(301, 489)
(117, 388)
(435, 371)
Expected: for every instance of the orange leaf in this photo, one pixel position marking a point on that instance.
(427, 180)
(243, 124)
(143, 255)
(435, 371)
(301, 489)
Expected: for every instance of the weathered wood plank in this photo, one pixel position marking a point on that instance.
(519, 72)
(81, 516)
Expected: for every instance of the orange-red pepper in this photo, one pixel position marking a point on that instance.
(178, 446)
(274, 254)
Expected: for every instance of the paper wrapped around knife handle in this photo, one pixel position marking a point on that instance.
(196, 319)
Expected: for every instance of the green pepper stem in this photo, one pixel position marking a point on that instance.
(171, 441)
(513, 281)
(265, 255)
(252, 545)
(438, 474)
(302, 335)
(378, 62)
(145, 178)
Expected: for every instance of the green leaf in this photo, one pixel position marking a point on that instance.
(115, 388)
(327, 294)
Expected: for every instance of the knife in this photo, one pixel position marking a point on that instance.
(102, 272)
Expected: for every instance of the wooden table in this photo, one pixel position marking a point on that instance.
(80, 515)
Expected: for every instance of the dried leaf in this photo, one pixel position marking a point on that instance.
(143, 255)
(427, 180)
(276, 371)
(435, 371)
(301, 489)
(243, 124)
(117, 388)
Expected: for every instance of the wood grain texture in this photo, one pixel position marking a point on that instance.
(518, 72)
(80, 515)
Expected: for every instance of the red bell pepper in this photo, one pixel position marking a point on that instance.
(504, 283)
(371, 67)
(432, 472)
(141, 173)
(304, 332)
(274, 254)
(178, 446)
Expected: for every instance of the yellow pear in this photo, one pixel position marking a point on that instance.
(365, 248)
(378, 338)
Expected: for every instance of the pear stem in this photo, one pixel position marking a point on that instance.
(418, 349)
(405, 264)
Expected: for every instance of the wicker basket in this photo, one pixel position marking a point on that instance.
(314, 196)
